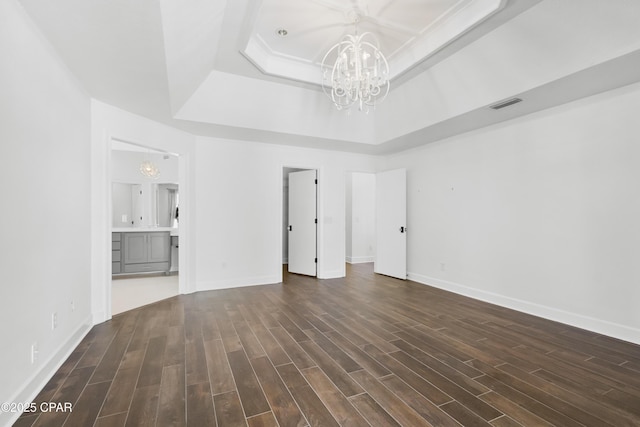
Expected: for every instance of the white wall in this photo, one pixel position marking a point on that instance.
(540, 213)
(239, 210)
(348, 247)
(231, 199)
(361, 217)
(45, 261)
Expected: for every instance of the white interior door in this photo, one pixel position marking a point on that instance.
(391, 219)
(137, 207)
(302, 222)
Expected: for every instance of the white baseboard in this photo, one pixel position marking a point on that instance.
(99, 317)
(34, 384)
(331, 274)
(359, 259)
(599, 326)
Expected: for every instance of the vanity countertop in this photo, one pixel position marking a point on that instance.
(172, 231)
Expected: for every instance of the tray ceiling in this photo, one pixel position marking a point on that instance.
(219, 68)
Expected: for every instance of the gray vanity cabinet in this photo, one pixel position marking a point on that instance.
(116, 252)
(146, 252)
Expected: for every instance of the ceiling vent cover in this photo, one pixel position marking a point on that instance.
(506, 103)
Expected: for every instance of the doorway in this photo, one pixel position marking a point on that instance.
(300, 221)
(144, 225)
(360, 245)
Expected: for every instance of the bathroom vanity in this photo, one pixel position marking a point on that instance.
(142, 250)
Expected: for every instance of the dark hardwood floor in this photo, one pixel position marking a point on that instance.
(364, 350)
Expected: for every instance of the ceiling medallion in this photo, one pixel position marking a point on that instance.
(354, 71)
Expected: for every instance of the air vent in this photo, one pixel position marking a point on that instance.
(506, 103)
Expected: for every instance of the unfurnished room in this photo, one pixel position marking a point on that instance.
(320, 213)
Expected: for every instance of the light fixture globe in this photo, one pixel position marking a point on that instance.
(148, 169)
(354, 71)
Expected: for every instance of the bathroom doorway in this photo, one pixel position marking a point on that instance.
(145, 205)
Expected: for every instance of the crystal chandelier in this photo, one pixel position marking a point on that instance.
(148, 169)
(355, 71)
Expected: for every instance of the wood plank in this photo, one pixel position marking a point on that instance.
(337, 375)
(372, 411)
(200, 411)
(250, 343)
(513, 410)
(293, 349)
(196, 362)
(335, 352)
(229, 410)
(263, 420)
(288, 325)
(144, 407)
(253, 399)
(151, 371)
(430, 412)
(85, 410)
(116, 420)
(337, 404)
(358, 355)
(388, 400)
(463, 415)
(174, 353)
(172, 401)
(119, 397)
(291, 375)
(220, 375)
(272, 348)
(422, 386)
(282, 403)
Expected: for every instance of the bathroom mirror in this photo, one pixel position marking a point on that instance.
(145, 204)
(139, 200)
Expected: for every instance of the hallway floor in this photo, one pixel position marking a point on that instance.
(134, 292)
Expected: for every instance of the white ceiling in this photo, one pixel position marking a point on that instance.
(218, 68)
(408, 31)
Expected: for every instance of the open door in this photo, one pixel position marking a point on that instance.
(302, 222)
(391, 219)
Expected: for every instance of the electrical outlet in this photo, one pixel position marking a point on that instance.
(73, 306)
(54, 320)
(34, 353)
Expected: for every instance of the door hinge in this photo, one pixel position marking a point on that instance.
(315, 260)
(315, 181)
(315, 220)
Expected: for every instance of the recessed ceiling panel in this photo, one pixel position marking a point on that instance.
(289, 38)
